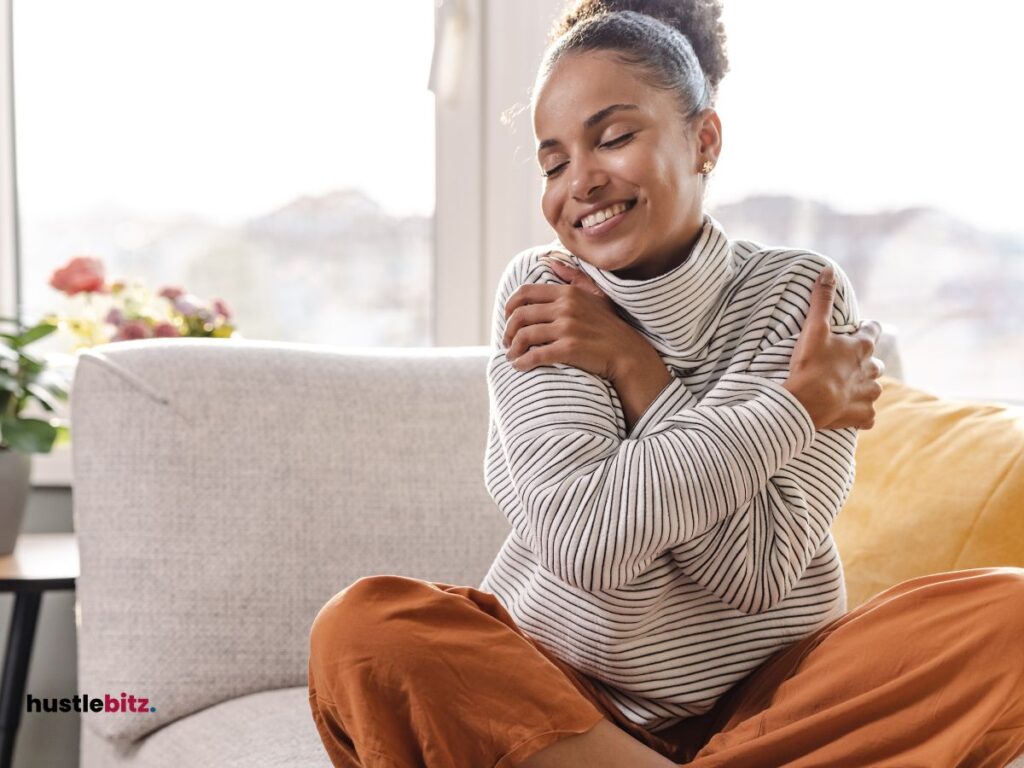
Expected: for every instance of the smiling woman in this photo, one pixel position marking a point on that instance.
(674, 416)
(659, 128)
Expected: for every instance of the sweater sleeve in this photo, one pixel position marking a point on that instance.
(754, 557)
(597, 507)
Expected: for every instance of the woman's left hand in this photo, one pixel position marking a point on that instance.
(576, 324)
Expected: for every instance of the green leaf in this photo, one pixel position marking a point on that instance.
(55, 387)
(36, 333)
(29, 435)
(11, 384)
(31, 365)
(43, 396)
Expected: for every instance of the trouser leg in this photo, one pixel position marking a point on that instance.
(405, 672)
(927, 673)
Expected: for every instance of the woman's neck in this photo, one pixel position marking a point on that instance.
(660, 264)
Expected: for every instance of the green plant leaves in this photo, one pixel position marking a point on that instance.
(34, 334)
(24, 377)
(45, 398)
(28, 435)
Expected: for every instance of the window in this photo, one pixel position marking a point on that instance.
(882, 134)
(279, 156)
(886, 135)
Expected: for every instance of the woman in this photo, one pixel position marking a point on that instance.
(674, 419)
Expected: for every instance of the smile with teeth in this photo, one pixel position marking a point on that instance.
(596, 218)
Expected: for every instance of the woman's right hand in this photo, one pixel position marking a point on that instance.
(834, 375)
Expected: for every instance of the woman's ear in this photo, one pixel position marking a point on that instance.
(709, 135)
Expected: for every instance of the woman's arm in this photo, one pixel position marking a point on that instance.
(596, 509)
(823, 375)
(754, 557)
(641, 377)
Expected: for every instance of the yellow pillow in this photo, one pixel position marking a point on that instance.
(939, 487)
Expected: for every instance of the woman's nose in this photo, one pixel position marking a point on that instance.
(587, 178)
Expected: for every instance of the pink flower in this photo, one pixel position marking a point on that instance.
(81, 274)
(133, 329)
(115, 316)
(221, 307)
(186, 304)
(165, 329)
(171, 292)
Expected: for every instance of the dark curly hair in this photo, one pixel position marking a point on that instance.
(678, 45)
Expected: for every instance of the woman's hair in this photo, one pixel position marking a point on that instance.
(676, 45)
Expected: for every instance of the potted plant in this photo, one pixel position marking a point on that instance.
(24, 380)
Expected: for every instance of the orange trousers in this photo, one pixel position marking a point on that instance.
(405, 672)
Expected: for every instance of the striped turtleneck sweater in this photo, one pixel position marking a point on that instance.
(669, 560)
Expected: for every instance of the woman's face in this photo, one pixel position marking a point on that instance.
(606, 139)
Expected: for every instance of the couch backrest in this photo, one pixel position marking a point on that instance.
(225, 489)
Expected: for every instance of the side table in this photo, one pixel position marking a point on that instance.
(40, 562)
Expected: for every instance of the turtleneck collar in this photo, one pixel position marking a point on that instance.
(678, 310)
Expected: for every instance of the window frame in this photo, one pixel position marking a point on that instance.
(10, 284)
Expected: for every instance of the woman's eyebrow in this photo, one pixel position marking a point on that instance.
(591, 121)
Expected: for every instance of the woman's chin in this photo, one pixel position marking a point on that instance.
(611, 257)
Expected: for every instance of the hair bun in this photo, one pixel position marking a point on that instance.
(699, 20)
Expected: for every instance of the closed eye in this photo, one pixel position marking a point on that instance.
(619, 141)
(613, 144)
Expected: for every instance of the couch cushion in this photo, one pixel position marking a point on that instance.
(267, 729)
(939, 486)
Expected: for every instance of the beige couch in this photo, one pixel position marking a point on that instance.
(224, 490)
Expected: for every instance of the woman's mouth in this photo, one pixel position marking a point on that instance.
(603, 221)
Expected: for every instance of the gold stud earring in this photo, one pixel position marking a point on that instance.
(706, 168)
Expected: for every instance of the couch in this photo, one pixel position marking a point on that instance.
(224, 491)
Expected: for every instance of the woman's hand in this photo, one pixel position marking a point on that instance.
(832, 374)
(581, 326)
(576, 324)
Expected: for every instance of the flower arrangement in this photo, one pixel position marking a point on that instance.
(100, 311)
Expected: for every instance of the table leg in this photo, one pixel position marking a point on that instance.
(16, 660)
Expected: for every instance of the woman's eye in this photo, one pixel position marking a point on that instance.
(619, 141)
(616, 142)
(553, 171)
